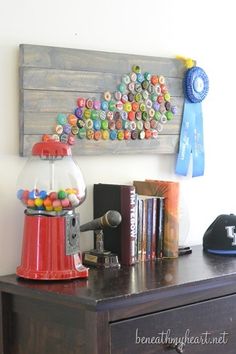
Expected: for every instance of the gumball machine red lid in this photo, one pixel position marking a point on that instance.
(51, 186)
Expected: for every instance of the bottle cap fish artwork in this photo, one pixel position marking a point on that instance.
(139, 97)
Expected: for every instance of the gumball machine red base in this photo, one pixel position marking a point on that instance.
(53, 187)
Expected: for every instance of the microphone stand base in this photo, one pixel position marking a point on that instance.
(102, 260)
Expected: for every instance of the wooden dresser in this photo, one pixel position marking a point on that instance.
(190, 301)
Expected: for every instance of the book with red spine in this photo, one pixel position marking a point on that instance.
(123, 239)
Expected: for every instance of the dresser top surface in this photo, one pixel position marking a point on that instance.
(189, 273)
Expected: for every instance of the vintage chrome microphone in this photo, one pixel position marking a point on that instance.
(99, 257)
(112, 218)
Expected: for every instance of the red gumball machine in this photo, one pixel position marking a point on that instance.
(51, 186)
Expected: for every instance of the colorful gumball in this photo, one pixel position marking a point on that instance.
(19, 193)
(57, 205)
(47, 202)
(65, 203)
(53, 196)
(30, 203)
(73, 199)
(38, 202)
(25, 194)
(62, 194)
(42, 194)
(49, 208)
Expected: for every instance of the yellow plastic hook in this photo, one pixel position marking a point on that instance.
(188, 62)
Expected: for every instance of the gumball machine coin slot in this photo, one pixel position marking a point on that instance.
(51, 186)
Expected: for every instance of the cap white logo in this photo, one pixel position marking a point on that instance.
(231, 234)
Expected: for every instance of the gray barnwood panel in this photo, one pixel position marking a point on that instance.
(165, 144)
(51, 80)
(67, 80)
(96, 61)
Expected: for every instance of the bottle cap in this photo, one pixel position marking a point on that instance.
(107, 96)
(89, 124)
(62, 118)
(97, 135)
(87, 113)
(78, 112)
(127, 134)
(81, 102)
(82, 133)
(120, 135)
(119, 124)
(104, 105)
(90, 134)
(94, 114)
(121, 87)
(97, 124)
(136, 69)
(134, 135)
(131, 115)
(126, 79)
(72, 119)
(89, 103)
(154, 80)
(105, 134)
(96, 105)
(104, 124)
(80, 123)
(113, 134)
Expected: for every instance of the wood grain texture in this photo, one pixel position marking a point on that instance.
(51, 80)
(100, 315)
(179, 322)
(80, 81)
(5, 322)
(88, 60)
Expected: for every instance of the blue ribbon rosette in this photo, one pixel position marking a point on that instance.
(196, 86)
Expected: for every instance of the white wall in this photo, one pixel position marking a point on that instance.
(202, 30)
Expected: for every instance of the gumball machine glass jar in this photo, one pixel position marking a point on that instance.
(51, 186)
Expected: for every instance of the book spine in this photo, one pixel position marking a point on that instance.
(136, 225)
(160, 228)
(154, 230)
(139, 228)
(149, 229)
(144, 231)
(128, 225)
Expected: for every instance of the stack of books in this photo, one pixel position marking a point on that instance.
(150, 219)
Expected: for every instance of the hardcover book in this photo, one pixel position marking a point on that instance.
(139, 228)
(123, 239)
(170, 192)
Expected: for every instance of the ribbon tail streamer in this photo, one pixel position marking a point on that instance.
(191, 141)
(198, 144)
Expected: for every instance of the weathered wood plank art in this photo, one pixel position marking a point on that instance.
(51, 80)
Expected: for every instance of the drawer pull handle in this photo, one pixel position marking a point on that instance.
(179, 347)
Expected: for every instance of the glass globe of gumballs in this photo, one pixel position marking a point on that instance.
(51, 186)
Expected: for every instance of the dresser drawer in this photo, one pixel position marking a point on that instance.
(205, 327)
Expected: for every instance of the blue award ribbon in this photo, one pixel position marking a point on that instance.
(196, 87)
